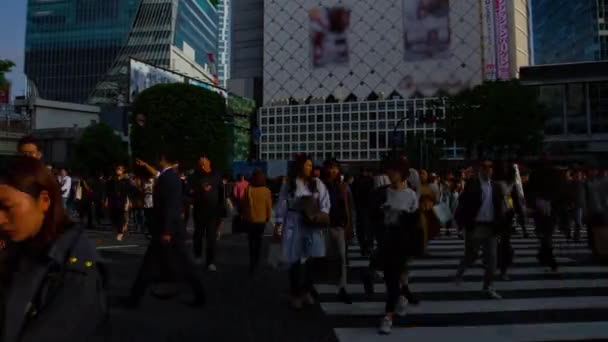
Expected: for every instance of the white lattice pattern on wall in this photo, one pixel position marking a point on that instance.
(376, 52)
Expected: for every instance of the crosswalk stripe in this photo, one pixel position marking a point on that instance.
(475, 286)
(454, 262)
(496, 333)
(467, 306)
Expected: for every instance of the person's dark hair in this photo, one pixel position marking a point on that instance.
(28, 139)
(297, 168)
(258, 178)
(400, 165)
(168, 154)
(327, 166)
(30, 176)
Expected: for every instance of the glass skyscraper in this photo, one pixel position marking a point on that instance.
(78, 50)
(567, 31)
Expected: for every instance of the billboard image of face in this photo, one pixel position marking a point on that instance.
(328, 31)
(144, 76)
(426, 29)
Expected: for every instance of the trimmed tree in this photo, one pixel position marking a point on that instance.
(99, 149)
(501, 119)
(184, 118)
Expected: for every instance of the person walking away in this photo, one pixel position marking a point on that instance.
(148, 189)
(54, 288)
(401, 220)
(340, 219)
(209, 209)
(117, 200)
(302, 240)
(580, 200)
(505, 177)
(480, 212)
(66, 186)
(256, 211)
(362, 191)
(167, 251)
(544, 183)
(428, 199)
(99, 194)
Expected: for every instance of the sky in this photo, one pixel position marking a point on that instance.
(12, 40)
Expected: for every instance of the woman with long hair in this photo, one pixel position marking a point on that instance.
(301, 240)
(54, 288)
(256, 211)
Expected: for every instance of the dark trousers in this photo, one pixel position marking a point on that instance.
(160, 261)
(545, 225)
(300, 278)
(364, 234)
(148, 219)
(99, 211)
(207, 227)
(394, 262)
(505, 251)
(476, 237)
(255, 231)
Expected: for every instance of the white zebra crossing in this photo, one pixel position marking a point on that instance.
(574, 290)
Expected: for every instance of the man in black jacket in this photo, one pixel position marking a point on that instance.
(167, 251)
(207, 191)
(481, 212)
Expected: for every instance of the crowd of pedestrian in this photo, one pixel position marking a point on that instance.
(391, 212)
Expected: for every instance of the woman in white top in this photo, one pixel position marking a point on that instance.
(300, 241)
(401, 218)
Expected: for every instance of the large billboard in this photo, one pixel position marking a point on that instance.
(209, 87)
(144, 76)
(489, 40)
(426, 29)
(502, 37)
(328, 35)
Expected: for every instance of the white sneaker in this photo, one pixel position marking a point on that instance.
(492, 294)
(385, 326)
(401, 309)
(212, 268)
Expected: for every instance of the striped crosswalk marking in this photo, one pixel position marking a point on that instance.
(537, 304)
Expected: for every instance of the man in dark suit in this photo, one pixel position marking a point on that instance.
(167, 251)
(480, 212)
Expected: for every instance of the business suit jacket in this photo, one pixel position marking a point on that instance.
(470, 202)
(168, 203)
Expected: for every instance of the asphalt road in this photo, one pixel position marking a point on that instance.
(239, 308)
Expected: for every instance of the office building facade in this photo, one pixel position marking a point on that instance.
(567, 31)
(247, 42)
(340, 77)
(78, 50)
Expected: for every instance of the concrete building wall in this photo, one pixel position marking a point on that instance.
(184, 64)
(520, 35)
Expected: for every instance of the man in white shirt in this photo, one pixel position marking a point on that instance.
(480, 212)
(65, 182)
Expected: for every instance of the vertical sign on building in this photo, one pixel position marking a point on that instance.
(502, 35)
(5, 91)
(489, 40)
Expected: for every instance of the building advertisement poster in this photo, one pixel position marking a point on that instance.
(144, 76)
(328, 36)
(502, 34)
(489, 40)
(426, 29)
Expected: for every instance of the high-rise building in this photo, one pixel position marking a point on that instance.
(78, 50)
(224, 44)
(566, 31)
(247, 61)
(350, 79)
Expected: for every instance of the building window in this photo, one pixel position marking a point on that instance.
(598, 100)
(372, 140)
(382, 140)
(552, 96)
(576, 108)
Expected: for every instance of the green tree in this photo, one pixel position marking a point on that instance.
(502, 118)
(184, 118)
(5, 67)
(99, 149)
